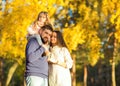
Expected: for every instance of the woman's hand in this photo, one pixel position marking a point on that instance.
(63, 64)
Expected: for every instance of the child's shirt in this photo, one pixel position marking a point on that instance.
(32, 31)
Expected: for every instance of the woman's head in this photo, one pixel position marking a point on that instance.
(57, 39)
(42, 18)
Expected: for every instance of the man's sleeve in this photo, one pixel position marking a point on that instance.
(33, 50)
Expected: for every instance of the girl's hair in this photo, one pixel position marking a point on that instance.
(60, 40)
(47, 17)
(39, 15)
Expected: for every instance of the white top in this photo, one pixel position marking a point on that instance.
(31, 31)
(58, 75)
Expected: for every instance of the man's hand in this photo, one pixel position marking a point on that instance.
(46, 49)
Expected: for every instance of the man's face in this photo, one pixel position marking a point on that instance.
(45, 35)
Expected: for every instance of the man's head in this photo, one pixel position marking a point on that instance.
(45, 33)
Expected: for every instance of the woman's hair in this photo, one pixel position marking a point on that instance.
(47, 17)
(60, 40)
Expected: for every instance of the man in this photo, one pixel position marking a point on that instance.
(36, 62)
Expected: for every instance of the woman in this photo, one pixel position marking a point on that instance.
(60, 62)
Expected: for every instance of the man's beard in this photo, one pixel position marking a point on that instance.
(44, 41)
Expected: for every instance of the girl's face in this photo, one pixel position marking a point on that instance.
(54, 38)
(42, 19)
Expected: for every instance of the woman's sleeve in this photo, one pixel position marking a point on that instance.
(68, 59)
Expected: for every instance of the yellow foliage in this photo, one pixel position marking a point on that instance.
(73, 37)
(77, 35)
(94, 53)
(117, 35)
(96, 4)
(15, 22)
(115, 19)
(85, 32)
(104, 7)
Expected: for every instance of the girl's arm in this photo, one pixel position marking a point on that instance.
(30, 30)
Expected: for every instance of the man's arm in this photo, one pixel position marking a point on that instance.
(33, 50)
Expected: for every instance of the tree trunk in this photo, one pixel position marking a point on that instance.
(10, 73)
(113, 63)
(85, 75)
(74, 71)
(1, 72)
(113, 74)
(24, 82)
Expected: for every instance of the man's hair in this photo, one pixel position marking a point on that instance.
(48, 26)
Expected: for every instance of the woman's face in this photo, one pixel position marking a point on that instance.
(54, 38)
(42, 19)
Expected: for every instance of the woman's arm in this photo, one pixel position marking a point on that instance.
(63, 64)
(68, 62)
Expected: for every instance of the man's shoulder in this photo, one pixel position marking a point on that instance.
(32, 40)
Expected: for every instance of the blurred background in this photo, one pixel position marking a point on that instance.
(90, 28)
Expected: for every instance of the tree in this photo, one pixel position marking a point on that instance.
(93, 24)
(15, 19)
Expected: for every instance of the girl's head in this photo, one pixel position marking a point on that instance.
(42, 18)
(57, 39)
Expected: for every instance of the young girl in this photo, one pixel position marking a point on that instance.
(33, 29)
